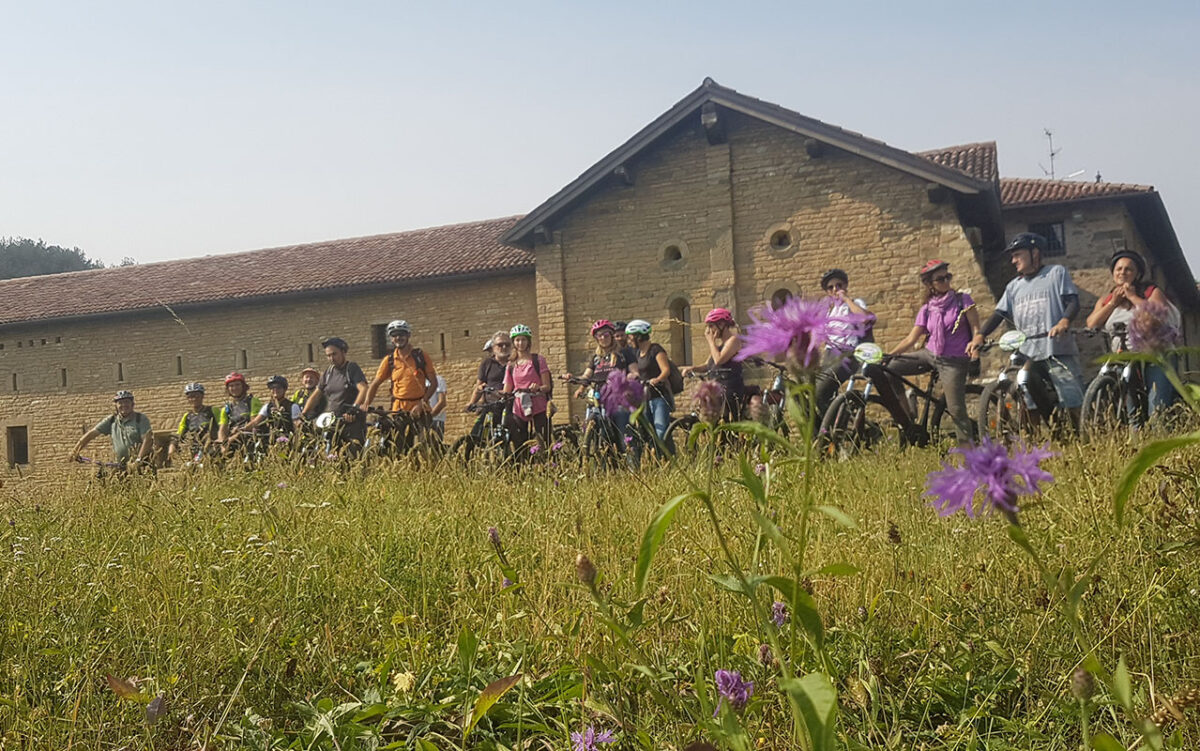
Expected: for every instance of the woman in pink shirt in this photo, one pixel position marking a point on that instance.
(528, 376)
(946, 321)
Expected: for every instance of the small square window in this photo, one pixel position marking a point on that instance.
(1056, 237)
(379, 340)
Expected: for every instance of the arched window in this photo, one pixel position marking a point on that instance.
(779, 297)
(680, 313)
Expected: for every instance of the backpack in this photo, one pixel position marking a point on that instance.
(418, 359)
(674, 378)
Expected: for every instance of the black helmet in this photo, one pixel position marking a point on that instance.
(834, 274)
(336, 341)
(1027, 241)
(122, 394)
(1131, 255)
(277, 380)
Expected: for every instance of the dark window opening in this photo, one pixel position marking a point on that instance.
(62, 377)
(779, 297)
(781, 240)
(20, 344)
(245, 360)
(58, 340)
(466, 333)
(672, 253)
(442, 337)
(14, 381)
(178, 365)
(1056, 237)
(43, 341)
(310, 352)
(379, 340)
(681, 344)
(18, 445)
(120, 372)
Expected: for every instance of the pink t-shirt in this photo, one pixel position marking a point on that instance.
(945, 320)
(523, 376)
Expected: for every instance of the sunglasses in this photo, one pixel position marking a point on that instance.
(504, 345)
(943, 277)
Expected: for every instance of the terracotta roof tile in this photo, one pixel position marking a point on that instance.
(429, 253)
(976, 159)
(1024, 191)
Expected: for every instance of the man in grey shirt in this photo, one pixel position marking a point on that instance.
(1041, 302)
(341, 384)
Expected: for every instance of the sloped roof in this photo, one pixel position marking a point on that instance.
(711, 92)
(976, 159)
(447, 251)
(1028, 191)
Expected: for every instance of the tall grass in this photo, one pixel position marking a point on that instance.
(271, 609)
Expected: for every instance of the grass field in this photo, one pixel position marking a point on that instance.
(271, 610)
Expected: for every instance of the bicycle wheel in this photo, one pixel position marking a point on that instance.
(464, 448)
(941, 424)
(1002, 411)
(846, 429)
(1103, 407)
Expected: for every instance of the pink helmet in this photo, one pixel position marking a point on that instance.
(718, 315)
(603, 323)
(933, 266)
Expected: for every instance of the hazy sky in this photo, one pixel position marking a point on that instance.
(162, 130)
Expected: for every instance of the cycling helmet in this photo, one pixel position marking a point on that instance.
(603, 323)
(520, 330)
(1131, 255)
(834, 274)
(122, 394)
(193, 388)
(719, 315)
(1027, 241)
(933, 266)
(277, 380)
(638, 326)
(620, 326)
(398, 326)
(235, 376)
(336, 341)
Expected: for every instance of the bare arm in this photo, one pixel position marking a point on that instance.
(313, 399)
(83, 441)
(366, 393)
(147, 446)
(910, 341)
(727, 350)
(1101, 312)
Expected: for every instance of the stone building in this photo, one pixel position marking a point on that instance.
(723, 200)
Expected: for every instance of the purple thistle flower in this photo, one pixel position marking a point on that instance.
(621, 393)
(589, 739)
(494, 537)
(628, 440)
(534, 449)
(1150, 329)
(759, 469)
(765, 658)
(709, 401)
(1003, 478)
(281, 485)
(779, 614)
(733, 689)
(797, 331)
(557, 446)
(282, 439)
(506, 583)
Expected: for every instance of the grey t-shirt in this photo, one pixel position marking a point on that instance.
(340, 385)
(1034, 305)
(127, 435)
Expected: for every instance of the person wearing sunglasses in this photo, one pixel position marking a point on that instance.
(491, 369)
(946, 322)
(843, 338)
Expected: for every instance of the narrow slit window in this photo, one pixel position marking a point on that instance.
(178, 365)
(120, 372)
(62, 377)
(443, 342)
(14, 381)
(310, 352)
(244, 360)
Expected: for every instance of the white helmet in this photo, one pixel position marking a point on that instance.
(398, 326)
(638, 326)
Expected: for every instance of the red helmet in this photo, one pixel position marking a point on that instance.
(718, 315)
(234, 376)
(933, 266)
(603, 323)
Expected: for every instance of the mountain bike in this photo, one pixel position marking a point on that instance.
(773, 399)
(853, 422)
(602, 441)
(1004, 412)
(489, 437)
(119, 470)
(391, 434)
(1118, 396)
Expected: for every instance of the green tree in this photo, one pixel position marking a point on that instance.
(21, 256)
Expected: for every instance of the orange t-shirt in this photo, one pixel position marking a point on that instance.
(408, 382)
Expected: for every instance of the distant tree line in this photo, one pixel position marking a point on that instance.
(20, 256)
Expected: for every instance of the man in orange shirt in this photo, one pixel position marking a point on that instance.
(413, 377)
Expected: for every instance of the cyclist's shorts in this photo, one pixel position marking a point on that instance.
(1067, 376)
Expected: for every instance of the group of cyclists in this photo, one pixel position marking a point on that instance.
(515, 384)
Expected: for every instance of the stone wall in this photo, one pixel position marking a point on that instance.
(703, 224)
(159, 351)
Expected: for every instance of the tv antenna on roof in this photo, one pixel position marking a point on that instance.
(1053, 153)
